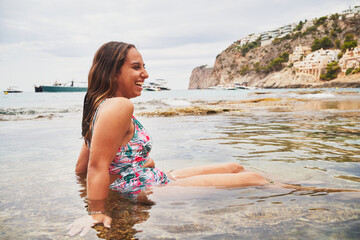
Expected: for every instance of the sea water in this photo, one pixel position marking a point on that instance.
(313, 143)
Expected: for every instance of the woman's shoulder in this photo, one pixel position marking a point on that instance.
(117, 106)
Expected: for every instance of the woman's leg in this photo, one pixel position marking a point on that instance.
(203, 170)
(226, 180)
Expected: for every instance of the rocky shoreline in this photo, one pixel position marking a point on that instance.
(286, 78)
(343, 100)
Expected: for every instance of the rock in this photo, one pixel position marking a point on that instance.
(200, 78)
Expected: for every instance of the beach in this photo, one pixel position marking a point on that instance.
(306, 137)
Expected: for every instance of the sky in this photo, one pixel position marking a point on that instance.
(43, 41)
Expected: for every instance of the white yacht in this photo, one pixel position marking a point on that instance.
(156, 85)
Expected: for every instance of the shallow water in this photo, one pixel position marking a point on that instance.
(312, 141)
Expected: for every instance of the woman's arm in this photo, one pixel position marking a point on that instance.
(110, 132)
(113, 129)
(82, 163)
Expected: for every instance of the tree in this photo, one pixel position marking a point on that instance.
(335, 17)
(247, 47)
(349, 42)
(337, 43)
(332, 70)
(276, 64)
(316, 45)
(285, 56)
(299, 26)
(324, 43)
(320, 21)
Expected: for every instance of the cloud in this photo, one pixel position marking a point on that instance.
(174, 36)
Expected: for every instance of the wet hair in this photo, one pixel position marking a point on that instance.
(102, 81)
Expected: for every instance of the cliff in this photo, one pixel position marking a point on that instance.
(200, 78)
(234, 65)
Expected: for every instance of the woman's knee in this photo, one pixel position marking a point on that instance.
(234, 167)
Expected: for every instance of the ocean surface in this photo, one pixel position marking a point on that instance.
(307, 137)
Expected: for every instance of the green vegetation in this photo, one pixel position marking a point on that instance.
(310, 30)
(244, 70)
(349, 42)
(277, 40)
(324, 43)
(332, 70)
(349, 70)
(276, 64)
(257, 67)
(320, 21)
(334, 17)
(299, 26)
(337, 43)
(247, 47)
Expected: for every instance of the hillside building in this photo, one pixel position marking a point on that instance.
(279, 32)
(351, 11)
(248, 39)
(300, 52)
(351, 59)
(315, 63)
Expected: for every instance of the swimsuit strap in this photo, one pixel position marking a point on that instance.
(96, 112)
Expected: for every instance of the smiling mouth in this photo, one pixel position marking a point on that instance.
(139, 84)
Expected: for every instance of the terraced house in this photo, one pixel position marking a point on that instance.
(350, 59)
(315, 63)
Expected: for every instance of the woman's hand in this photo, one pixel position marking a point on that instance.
(83, 224)
(149, 163)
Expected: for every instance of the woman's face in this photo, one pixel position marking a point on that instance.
(132, 75)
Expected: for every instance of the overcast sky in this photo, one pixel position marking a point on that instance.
(42, 41)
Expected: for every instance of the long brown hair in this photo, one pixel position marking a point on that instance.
(102, 80)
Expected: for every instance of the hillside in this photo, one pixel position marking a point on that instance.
(257, 65)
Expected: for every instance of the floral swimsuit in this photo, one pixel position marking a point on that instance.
(128, 162)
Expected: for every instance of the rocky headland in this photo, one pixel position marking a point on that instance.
(255, 67)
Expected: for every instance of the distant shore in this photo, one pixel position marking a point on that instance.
(312, 100)
(287, 79)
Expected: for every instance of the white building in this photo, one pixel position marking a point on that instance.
(248, 39)
(315, 63)
(279, 32)
(299, 53)
(351, 11)
(351, 59)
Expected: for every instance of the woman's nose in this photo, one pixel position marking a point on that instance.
(145, 74)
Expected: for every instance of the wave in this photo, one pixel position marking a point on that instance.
(11, 114)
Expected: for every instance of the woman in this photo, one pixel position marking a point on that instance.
(115, 153)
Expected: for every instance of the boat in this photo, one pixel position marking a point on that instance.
(60, 87)
(216, 87)
(12, 90)
(244, 86)
(156, 85)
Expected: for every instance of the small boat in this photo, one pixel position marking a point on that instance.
(12, 90)
(230, 87)
(216, 87)
(60, 87)
(156, 85)
(243, 86)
